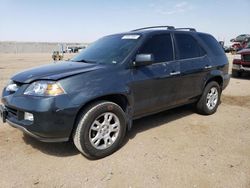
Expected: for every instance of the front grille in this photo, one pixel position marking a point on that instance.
(13, 111)
(246, 57)
(17, 114)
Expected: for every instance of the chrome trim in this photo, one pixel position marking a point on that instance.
(192, 58)
(35, 136)
(236, 67)
(208, 67)
(212, 98)
(245, 68)
(175, 73)
(12, 87)
(104, 131)
(240, 67)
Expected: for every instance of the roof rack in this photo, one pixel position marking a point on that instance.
(189, 29)
(153, 27)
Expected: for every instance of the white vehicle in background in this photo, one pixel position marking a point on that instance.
(81, 49)
(75, 48)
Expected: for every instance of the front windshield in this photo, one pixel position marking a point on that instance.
(108, 50)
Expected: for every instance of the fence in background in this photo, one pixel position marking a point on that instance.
(33, 47)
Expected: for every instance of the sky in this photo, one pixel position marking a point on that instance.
(88, 20)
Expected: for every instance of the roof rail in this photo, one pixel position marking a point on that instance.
(190, 29)
(153, 27)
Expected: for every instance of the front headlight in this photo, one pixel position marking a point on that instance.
(44, 88)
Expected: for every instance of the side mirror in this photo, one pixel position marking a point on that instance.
(143, 60)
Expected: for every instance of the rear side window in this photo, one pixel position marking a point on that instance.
(160, 46)
(212, 44)
(187, 47)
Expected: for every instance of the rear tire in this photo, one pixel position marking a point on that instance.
(210, 99)
(100, 129)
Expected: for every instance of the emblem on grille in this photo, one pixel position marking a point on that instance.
(12, 88)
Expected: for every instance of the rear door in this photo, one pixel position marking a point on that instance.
(154, 86)
(194, 66)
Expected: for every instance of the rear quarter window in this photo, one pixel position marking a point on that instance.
(212, 44)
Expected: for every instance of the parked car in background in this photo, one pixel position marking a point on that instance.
(241, 62)
(239, 43)
(241, 38)
(248, 45)
(227, 49)
(75, 48)
(236, 47)
(57, 56)
(93, 98)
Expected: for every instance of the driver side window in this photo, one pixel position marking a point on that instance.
(160, 46)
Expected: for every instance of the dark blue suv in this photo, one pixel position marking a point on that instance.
(94, 97)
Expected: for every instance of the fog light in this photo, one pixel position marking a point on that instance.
(28, 116)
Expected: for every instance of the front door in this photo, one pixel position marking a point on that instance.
(154, 86)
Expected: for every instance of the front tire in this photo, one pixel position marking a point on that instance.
(210, 99)
(100, 129)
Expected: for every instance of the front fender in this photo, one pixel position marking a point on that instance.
(84, 88)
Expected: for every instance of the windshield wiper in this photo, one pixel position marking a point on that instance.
(84, 61)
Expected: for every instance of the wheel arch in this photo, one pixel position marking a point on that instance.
(120, 99)
(215, 76)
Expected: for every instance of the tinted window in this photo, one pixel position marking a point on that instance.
(160, 46)
(187, 47)
(212, 43)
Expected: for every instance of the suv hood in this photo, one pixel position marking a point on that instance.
(55, 71)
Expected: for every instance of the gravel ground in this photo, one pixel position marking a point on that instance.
(175, 148)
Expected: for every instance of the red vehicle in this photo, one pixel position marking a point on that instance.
(239, 43)
(236, 47)
(241, 62)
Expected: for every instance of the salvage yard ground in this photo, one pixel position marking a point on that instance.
(175, 148)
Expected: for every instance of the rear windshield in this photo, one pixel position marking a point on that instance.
(212, 43)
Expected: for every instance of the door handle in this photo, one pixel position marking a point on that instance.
(208, 67)
(168, 75)
(175, 73)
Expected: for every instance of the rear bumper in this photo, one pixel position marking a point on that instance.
(238, 67)
(226, 79)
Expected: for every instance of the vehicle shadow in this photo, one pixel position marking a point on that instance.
(244, 76)
(65, 149)
(159, 119)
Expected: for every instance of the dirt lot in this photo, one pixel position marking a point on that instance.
(176, 148)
